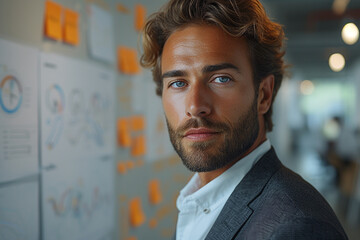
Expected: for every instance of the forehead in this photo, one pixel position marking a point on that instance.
(197, 44)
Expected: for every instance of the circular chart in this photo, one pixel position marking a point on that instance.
(55, 99)
(10, 94)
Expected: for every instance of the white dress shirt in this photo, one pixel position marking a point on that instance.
(200, 207)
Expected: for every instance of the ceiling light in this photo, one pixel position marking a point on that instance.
(337, 62)
(350, 33)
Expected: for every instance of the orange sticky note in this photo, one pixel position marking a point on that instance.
(137, 216)
(123, 64)
(127, 60)
(71, 27)
(138, 147)
(138, 123)
(140, 15)
(122, 8)
(53, 20)
(123, 132)
(121, 168)
(155, 196)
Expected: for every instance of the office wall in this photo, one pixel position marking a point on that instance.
(108, 172)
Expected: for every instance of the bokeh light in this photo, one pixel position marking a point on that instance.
(337, 62)
(350, 34)
(307, 87)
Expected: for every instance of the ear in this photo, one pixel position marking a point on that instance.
(265, 94)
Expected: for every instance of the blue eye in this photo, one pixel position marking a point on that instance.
(178, 84)
(222, 79)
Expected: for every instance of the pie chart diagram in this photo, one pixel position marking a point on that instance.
(10, 94)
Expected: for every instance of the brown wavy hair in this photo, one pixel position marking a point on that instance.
(238, 18)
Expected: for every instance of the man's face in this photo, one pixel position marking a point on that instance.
(208, 97)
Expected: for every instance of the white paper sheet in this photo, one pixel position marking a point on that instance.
(77, 106)
(101, 34)
(78, 200)
(18, 111)
(19, 211)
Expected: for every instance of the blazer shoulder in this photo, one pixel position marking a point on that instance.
(270, 199)
(289, 186)
(289, 193)
(285, 199)
(307, 228)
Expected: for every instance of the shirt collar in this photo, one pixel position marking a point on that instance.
(221, 187)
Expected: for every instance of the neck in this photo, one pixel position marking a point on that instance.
(206, 177)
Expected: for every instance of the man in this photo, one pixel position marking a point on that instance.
(218, 66)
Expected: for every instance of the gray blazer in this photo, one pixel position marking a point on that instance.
(272, 202)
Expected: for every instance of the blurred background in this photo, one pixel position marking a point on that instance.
(84, 150)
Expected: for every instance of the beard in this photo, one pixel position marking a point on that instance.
(212, 155)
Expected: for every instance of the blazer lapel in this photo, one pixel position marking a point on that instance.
(236, 210)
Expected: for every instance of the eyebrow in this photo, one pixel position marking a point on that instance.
(173, 73)
(217, 67)
(206, 69)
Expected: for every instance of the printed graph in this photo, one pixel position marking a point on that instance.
(78, 200)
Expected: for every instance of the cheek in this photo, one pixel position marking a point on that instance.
(232, 106)
(228, 112)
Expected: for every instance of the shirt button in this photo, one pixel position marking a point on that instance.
(206, 210)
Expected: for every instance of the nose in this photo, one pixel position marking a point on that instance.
(198, 101)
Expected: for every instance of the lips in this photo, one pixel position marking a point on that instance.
(200, 134)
